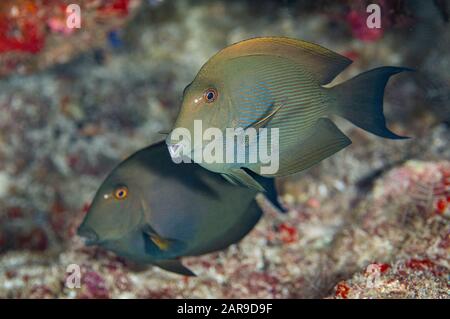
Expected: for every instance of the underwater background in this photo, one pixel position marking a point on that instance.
(371, 221)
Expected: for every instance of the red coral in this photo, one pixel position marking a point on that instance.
(289, 234)
(119, 7)
(393, 13)
(419, 264)
(95, 285)
(26, 25)
(358, 25)
(31, 39)
(377, 267)
(342, 290)
(384, 267)
(442, 191)
(21, 27)
(441, 205)
(424, 265)
(446, 176)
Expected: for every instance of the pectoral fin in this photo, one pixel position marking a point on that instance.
(264, 120)
(162, 243)
(175, 266)
(325, 140)
(243, 178)
(152, 239)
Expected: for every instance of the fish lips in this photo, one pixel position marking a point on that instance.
(89, 235)
(175, 150)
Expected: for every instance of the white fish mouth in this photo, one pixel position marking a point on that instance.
(181, 151)
(175, 150)
(89, 236)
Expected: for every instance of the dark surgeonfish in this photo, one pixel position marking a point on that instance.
(277, 82)
(153, 211)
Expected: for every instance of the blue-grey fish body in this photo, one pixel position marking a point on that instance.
(151, 210)
(277, 82)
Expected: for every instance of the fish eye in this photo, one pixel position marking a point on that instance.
(210, 95)
(121, 192)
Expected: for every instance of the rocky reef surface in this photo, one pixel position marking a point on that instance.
(370, 222)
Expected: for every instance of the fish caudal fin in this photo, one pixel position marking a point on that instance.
(360, 100)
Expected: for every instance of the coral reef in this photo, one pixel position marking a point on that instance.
(34, 33)
(389, 248)
(370, 222)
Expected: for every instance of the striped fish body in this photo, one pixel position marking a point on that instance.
(271, 82)
(279, 83)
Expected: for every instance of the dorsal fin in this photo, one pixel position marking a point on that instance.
(323, 64)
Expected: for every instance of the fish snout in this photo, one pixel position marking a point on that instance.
(175, 149)
(178, 148)
(88, 234)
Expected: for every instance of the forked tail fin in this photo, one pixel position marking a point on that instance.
(360, 100)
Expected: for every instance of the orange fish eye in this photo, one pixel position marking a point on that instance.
(210, 95)
(121, 192)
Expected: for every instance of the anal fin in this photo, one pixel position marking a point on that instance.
(243, 178)
(175, 266)
(229, 179)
